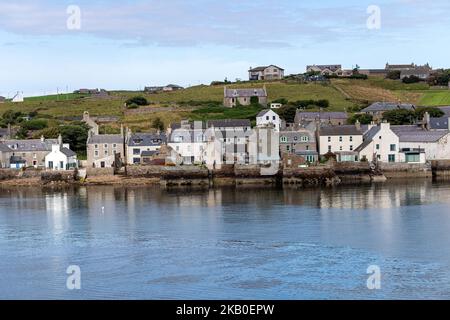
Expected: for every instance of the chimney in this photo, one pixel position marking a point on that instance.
(9, 133)
(60, 141)
(121, 130)
(426, 121)
(358, 125)
(42, 138)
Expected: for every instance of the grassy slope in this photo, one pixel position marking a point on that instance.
(342, 94)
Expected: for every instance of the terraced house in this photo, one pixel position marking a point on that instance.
(142, 146)
(301, 142)
(105, 150)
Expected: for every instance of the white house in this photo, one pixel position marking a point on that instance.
(61, 158)
(340, 140)
(268, 117)
(18, 97)
(188, 141)
(271, 72)
(380, 144)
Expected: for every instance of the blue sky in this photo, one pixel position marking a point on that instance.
(132, 44)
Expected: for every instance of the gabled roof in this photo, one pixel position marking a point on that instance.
(439, 123)
(322, 115)
(368, 138)
(264, 112)
(31, 145)
(146, 139)
(105, 138)
(68, 152)
(417, 134)
(245, 93)
(345, 130)
(388, 106)
(262, 68)
(229, 123)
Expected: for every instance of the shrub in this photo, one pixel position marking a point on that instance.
(140, 101)
(35, 124)
(132, 106)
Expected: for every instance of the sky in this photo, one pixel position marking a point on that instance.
(48, 46)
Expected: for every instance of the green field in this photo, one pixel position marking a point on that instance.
(195, 102)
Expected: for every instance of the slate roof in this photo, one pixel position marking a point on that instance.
(446, 110)
(146, 139)
(105, 138)
(346, 130)
(439, 123)
(245, 93)
(387, 106)
(258, 69)
(331, 67)
(368, 137)
(68, 152)
(322, 115)
(229, 123)
(291, 135)
(263, 113)
(417, 134)
(5, 148)
(31, 145)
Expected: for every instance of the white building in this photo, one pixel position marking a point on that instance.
(268, 117)
(188, 141)
(18, 97)
(61, 158)
(271, 72)
(340, 140)
(380, 144)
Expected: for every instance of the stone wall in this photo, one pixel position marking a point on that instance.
(94, 172)
(58, 176)
(11, 174)
(405, 170)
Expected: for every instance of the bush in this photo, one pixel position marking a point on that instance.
(132, 106)
(158, 124)
(362, 118)
(140, 101)
(399, 117)
(433, 111)
(411, 79)
(393, 75)
(35, 124)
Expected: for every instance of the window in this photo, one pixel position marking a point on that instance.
(340, 139)
(114, 146)
(106, 152)
(329, 148)
(284, 139)
(393, 147)
(105, 146)
(274, 118)
(295, 138)
(351, 148)
(50, 164)
(378, 147)
(305, 138)
(61, 165)
(267, 118)
(413, 158)
(136, 152)
(329, 139)
(96, 153)
(136, 160)
(96, 146)
(307, 147)
(391, 158)
(340, 148)
(351, 139)
(288, 148)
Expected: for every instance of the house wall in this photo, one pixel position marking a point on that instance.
(98, 152)
(348, 143)
(191, 152)
(433, 151)
(245, 101)
(384, 138)
(33, 158)
(57, 157)
(269, 118)
(130, 152)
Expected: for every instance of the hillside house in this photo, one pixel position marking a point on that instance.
(271, 72)
(377, 109)
(244, 97)
(327, 118)
(268, 118)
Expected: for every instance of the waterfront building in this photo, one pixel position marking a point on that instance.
(341, 141)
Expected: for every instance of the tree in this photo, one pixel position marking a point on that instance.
(362, 118)
(139, 100)
(12, 117)
(433, 111)
(76, 135)
(399, 117)
(393, 75)
(287, 113)
(158, 124)
(254, 100)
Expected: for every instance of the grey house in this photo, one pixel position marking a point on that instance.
(244, 97)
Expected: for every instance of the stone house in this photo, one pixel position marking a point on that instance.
(324, 118)
(377, 109)
(27, 153)
(105, 150)
(300, 142)
(244, 97)
(271, 72)
(140, 146)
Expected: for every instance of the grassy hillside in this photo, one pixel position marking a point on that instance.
(203, 102)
